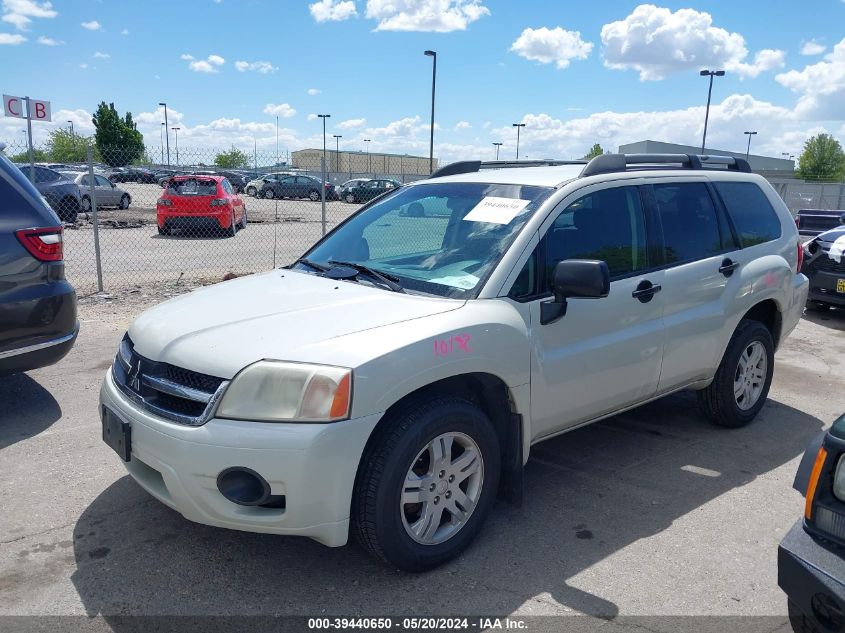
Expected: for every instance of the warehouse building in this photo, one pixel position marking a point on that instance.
(766, 165)
(345, 162)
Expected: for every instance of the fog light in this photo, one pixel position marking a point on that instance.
(243, 486)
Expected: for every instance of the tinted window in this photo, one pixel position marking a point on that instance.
(690, 225)
(608, 225)
(754, 218)
(226, 186)
(9, 194)
(85, 181)
(102, 182)
(192, 187)
(45, 175)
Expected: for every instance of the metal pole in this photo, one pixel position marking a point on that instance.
(176, 130)
(518, 126)
(93, 195)
(707, 114)
(433, 56)
(277, 140)
(748, 150)
(166, 133)
(29, 142)
(497, 146)
(323, 170)
(161, 136)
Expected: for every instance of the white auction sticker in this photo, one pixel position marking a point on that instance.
(496, 210)
(837, 249)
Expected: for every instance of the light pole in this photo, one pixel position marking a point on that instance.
(166, 132)
(323, 188)
(337, 138)
(161, 129)
(711, 74)
(277, 140)
(517, 126)
(176, 129)
(748, 150)
(71, 127)
(367, 141)
(433, 56)
(497, 146)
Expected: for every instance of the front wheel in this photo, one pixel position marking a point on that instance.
(124, 201)
(250, 191)
(741, 385)
(427, 484)
(314, 196)
(86, 204)
(269, 194)
(350, 198)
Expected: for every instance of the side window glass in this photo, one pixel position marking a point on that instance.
(753, 215)
(690, 225)
(102, 182)
(86, 181)
(526, 283)
(608, 225)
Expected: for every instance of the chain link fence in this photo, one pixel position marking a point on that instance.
(810, 195)
(190, 221)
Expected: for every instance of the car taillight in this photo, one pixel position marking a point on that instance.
(44, 244)
(800, 256)
(219, 202)
(164, 202)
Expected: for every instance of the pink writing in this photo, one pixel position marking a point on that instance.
(447, 346)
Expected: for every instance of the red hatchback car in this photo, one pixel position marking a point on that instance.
(200, 202)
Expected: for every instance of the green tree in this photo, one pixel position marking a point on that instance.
(116, 138)
(65, 147)
(822, 159)
(596, 150)
(38, 156)
(232, 159)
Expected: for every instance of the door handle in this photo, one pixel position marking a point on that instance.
(728, 267)
(645, 291)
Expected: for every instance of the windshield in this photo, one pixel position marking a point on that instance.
(439, 238)
(192, 187)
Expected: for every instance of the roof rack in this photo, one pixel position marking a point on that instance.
(611, 163)
(470, 166)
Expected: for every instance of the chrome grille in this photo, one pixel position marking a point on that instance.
(176, 394)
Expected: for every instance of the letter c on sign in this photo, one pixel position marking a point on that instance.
(11, 104)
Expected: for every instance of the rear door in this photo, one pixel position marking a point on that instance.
(702, 260)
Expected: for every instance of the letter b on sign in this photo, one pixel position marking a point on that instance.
(16, 107)
(40, 110)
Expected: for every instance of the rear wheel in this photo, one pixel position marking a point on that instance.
(233, 226)
(350, 198)
(164, 230)
(68, 210)
(741, 385)
(427, 484)
(86, 204)
(250, 191)
(269, 194)
(243, 220)
(124, 201)
(313, 196)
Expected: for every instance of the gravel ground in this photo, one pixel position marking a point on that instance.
(653, 512)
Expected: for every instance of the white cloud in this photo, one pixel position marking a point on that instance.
(820, 86)
(282, 109)
(264, 68)
(83, 66)
(812, 47)
(93, 25)
(99, 55)
(11, 39)
(438, 16)
(210, 64)
(156, 117)
(332, 10)
(312, 117)
(352, 124)
(125, 32)
(551, 45)
(186, 56)
(21, 12)
(463, 125)
(48, 41)
(657, 42)
(313, 91)
(405, 127)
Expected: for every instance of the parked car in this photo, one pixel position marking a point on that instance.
(391, 382)
(62, 194)
(106, 193)
(369, 189)
(296, 187)
(200, 202)
(259, 183)
(163, 175)
(811, 557)
(824, 265)
(344, 188)
(37, 304)
(816, 221)
(237, 180)
(132, 174)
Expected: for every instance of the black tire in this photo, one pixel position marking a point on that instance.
(717, 401)
(376, 516)
(68, 210)
(244, 220)
(314, 196)
(251, 191)
(125, 200)
(350, 198)
(232, 231)
(86, 204)
(164, 230)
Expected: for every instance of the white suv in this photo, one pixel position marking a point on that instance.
(393, 380)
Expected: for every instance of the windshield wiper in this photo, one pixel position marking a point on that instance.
(319, 267)
(390, 281)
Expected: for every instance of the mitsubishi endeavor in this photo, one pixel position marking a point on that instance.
(391, 382)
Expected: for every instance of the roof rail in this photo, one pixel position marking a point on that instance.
(611, 163)
(469, 166)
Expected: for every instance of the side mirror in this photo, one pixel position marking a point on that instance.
(575, 278)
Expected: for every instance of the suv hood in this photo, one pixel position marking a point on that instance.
(220, 329)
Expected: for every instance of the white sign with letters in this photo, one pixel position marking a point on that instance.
(16, 107)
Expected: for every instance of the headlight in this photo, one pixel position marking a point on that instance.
(839, 480)
(275, 391)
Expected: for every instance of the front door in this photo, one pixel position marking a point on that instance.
(603, 354)
(107, 194)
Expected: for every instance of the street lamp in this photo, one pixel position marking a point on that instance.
(711, 74)
(166, 132)
(71, 127)
(176, 129)
(433, 56)
(367, 141)
(337, 138)
(517, 126)
(497, 146)
(748, 151)
(323, 188)
(162, 141)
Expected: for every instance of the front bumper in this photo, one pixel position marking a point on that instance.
(813, 578)
(312, 465)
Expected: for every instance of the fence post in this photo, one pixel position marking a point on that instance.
(91, 183)
(323, 193)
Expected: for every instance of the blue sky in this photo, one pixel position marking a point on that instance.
(575, 73)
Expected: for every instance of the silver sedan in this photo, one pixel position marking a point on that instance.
(106, 193)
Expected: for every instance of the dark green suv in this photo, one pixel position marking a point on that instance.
(369, 189)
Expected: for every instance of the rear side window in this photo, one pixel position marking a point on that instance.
(754, 217)
(193, 187)
(691, 229)
(46, 175)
